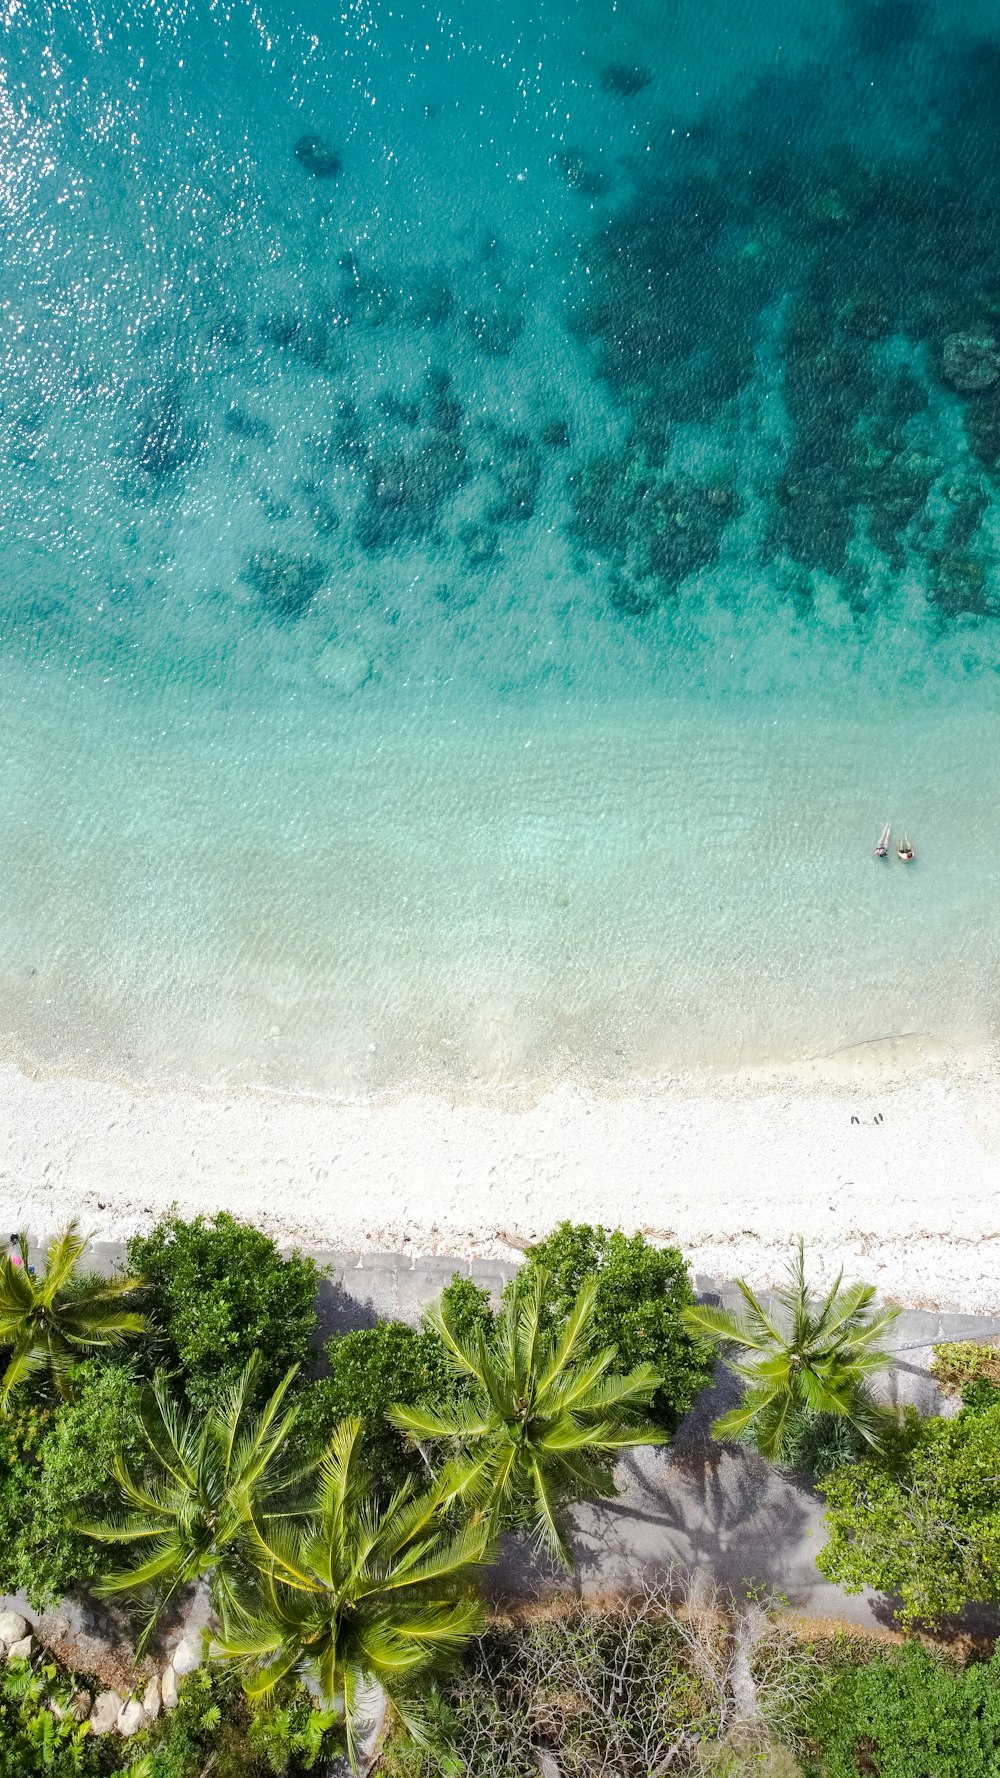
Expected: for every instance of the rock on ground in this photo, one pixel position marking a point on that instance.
(151, 1699)
(104, 1716)
(168, 1689)
(12, 1627)
(188, 1655)
(130, 1718)
(20, 1651)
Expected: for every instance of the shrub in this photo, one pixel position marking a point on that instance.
(219, 1290)
(907, 1713)
(370, 1371)
(821, 1443)
(968, 1369)
(643, 1290)
(924, 1521)
(55, 1469)
(32, 1740)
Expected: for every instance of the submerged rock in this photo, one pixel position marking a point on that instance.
(580, 175)
(305, 337)
(518, 471)
(480, 545)
(165, 441)
(318, 156)
(625, 79)
(244, 425)
(406, 490)
(970, 361)
(286, 584)
(344, 666)
(494, 330)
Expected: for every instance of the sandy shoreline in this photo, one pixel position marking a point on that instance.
(728, 1167)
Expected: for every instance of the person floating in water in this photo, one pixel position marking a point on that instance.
(882, 849)
(904, 851)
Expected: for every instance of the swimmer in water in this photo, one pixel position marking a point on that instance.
(904, 851)
(882, 849)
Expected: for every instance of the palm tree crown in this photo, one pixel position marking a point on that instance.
(191, 1505)
(808, 1361)
(355, 1595)
(538, 1424)
(54, 1321)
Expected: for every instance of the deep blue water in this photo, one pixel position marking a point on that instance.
(498, 505)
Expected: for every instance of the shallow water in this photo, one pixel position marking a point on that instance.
(498, 507)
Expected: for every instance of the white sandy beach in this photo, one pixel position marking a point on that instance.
(727, 1167)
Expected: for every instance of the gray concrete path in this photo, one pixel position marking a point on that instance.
(718, 1512)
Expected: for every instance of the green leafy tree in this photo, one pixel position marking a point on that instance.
(353, 1594)
(55, 1320)
(190, 1503)
(370, 1370)
(642, 1292)
(218, 1291)
(541, 1419)
(56, 1466)
(802, 1361)
(923, 1522)
(907, 1713)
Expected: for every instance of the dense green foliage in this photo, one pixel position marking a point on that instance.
(800, 1362)
(352, 1593)
(541, 1416)
(906, 1713)
(218, 1291)
(374, 1368)
(213, 1730)
(54, 1319)
(56, 1468)
(924, 1522)
(642, 1293)
(187, 1507)
(370, 1370)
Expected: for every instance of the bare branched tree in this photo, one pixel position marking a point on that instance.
(671, 1681)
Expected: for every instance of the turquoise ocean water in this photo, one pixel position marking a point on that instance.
(498, 504)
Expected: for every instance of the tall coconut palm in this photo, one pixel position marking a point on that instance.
(804, 1361)
(54, 1321)
(355, 1596)
(538, 1422)
(191, 1503)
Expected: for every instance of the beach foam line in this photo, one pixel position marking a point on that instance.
(729, 1168)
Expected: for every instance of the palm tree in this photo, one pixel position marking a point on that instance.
(804, 1363)
(538, 1423)
(56, 1320)
(355, 1595)
(191, 1505)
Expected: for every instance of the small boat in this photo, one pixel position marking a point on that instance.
(882, 849)
(904, 851)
